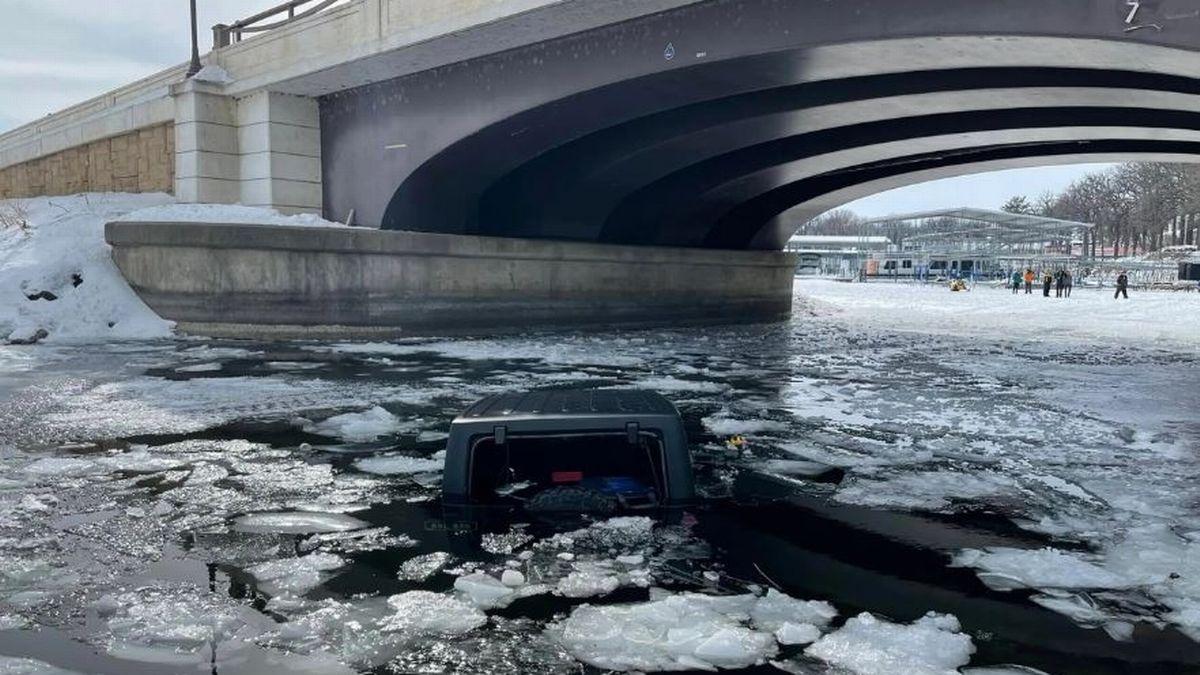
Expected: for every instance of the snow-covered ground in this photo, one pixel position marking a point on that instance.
(1169, 319)
(57, 279)
(58, 276)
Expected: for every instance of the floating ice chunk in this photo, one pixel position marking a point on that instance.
(512, 578)
(734, 647)
(428, 613)
(63, 466)
(794, 467)
(1041, 568)
(199, 368)
(295, 576)
(12, 622)
(930, 490)
(177, 625)
(487, 592)
(297, 522)
(358, 427)
(725, 425)
(679, 632)
(866, 645)
(1003, 670)
(11, 665)
(142, 461)
(674, 384)
(797, 634)
(396, 465)
(422, 567)
(484, 591)
(587, 580)
(775, 609)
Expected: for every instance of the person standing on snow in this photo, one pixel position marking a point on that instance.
(1029, 277)
(1122, 286)
(1060, 283)
(1047, 280)
(1016, 282)
(1068, 282)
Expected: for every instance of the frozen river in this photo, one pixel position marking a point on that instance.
(933, 482)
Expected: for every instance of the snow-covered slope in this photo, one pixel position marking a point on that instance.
(62, 255)
(57, 279)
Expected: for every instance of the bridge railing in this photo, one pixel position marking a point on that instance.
(277, 16)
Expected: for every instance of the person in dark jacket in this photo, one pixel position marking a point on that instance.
(1122, 286)
(1016, 281)
(1068, 282)
(1060, 283)
(1047, 281)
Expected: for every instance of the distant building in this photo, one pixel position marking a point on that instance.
(831, 255)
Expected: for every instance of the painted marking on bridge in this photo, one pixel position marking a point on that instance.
(397, 146)
(669, 52)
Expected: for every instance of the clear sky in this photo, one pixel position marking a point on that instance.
(55, 53)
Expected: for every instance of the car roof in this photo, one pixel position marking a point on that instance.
(568, 403)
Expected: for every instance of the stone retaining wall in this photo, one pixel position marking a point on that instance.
(138, 161)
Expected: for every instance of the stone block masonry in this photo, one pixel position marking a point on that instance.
(137, 161)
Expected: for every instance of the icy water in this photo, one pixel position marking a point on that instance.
(199, 506)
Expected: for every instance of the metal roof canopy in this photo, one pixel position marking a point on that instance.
(998, 227)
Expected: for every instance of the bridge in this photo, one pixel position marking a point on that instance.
(695, 132)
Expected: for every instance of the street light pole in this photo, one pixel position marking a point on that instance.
(195, 65)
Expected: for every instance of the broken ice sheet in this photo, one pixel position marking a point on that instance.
(178, 625)
(297, 522)
(295, 576)
(422, 567)
(427, 613)
(397, 465)
(361, 427)
(868, 645)
(687, 631)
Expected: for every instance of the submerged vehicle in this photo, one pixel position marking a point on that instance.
(569, 450)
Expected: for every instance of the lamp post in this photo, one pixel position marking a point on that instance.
(194, 67)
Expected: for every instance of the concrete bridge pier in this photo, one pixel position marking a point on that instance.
(262, 149)
(257, 281)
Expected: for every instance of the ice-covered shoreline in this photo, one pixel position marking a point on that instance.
(1147, 319)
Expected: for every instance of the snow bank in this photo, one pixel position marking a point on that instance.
(224, 213)
(866, 645)
(358, 427)
(1089, 314)
(62, 262)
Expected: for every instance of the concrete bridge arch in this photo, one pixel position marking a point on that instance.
(700, 125)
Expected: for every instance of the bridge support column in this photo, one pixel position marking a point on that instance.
(206, 145)
(279, 137)
(256, 281)
(260, 150)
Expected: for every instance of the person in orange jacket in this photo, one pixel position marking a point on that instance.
(1029, 277)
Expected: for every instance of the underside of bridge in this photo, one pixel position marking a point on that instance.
(721, 124)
